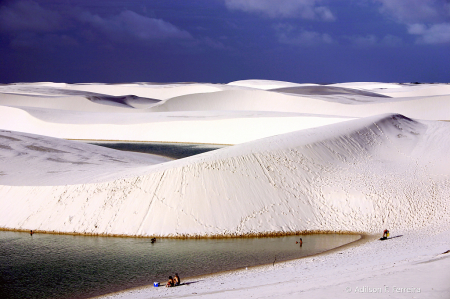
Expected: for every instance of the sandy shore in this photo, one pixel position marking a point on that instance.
(413, 264)
(211, 276)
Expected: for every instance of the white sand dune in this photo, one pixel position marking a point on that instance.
(359, 175)
(369, 85)
(301, 174)
(348, 160)
(418, 90)
(215, 128)
(154, 91)
(266, 84)
(88, 102)
(399, 90)
(230, 114)
(68, 99)
(61, 162)
(326, 90)
(430, 108)
(128, 101)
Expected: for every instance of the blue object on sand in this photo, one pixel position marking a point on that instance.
(156, 284)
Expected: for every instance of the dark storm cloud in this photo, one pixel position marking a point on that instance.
(429, 20)
(42, 42)
(414, 11)
(129, 24)
(26, 19)
(305, 9)
(288, 34)
(431, 34)
(28, 16)
(371, 40)
(224, 40)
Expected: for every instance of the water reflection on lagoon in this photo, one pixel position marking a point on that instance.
(171, 150)
(62, 266)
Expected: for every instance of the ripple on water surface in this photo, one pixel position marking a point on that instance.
(64, 266)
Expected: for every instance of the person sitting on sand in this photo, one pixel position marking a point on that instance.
(170, 283)
(176, 279)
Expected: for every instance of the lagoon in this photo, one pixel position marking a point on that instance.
(167, 149)
(68, 266)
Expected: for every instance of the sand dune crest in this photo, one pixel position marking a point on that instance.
(358, 175)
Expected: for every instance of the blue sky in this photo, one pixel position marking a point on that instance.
(220, 41)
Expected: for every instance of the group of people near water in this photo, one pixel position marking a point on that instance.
(173, 281)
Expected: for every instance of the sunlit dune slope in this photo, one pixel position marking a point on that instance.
(360, 175)
(28, 159)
